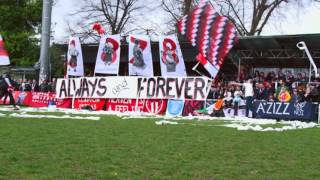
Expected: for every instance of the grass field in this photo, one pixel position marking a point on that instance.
(115, 148)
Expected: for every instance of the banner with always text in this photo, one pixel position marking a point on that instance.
(127, 87)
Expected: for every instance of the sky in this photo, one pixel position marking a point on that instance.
(296, 22)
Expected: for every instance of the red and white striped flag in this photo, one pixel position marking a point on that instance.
(212, 34)
(4, 55)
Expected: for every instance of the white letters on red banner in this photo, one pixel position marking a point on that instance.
(154, 106)
(75, 60)
(129, 87)
(140, 58)
(4, 56)
(171, 60)
(108, 57)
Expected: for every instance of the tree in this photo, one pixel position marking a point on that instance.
(115, 15)
(250, 17)
(177, 9)
(20, 23)
(56, 60)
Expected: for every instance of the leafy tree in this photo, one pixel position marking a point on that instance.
(19, 24)
(56, 61)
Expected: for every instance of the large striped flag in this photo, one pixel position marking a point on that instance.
(212, 34)
(4, 56)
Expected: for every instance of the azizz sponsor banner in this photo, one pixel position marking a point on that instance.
(279, 110)
(195, 88)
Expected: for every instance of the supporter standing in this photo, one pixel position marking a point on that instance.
(6, 89)
(248, 94)
(237, 99)
(261, 93)
(34, 86)
(53, 84)
(282, 91)
(44, 87)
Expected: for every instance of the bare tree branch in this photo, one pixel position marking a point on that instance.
(115, 14)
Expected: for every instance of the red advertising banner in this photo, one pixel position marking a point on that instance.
(155, 106)
(36, 99)
(143, 105)
(15, 95)
(190, 106)
(63, 103)
(39, 99)
(94, 104)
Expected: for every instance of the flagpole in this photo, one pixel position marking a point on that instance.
(45, 40)
(195, 69)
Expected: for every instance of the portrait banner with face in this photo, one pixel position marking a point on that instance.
(4, 55)
(108, 58)
(75, 60)
(140, 57)
(171, 59)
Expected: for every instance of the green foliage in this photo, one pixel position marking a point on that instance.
(57, 65)
(20, 23)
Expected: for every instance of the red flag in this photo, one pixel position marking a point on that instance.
(4, 55)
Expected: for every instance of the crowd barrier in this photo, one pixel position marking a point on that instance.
(304, 111)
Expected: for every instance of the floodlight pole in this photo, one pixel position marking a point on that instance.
(303, 47)
(45, 40)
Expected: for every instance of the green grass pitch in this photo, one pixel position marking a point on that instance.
(115, 148)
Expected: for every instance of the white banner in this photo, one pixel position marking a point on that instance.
(140, 57)
(171, 59)
(75, 60)
(108, 58)
(132, 87)
(4, 56)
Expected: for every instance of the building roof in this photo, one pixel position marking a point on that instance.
(278, 42)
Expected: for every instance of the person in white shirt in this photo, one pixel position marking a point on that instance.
(248, 94)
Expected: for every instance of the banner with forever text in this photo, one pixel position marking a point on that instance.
(132, 87)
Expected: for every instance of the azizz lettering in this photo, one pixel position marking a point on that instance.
(277, 108)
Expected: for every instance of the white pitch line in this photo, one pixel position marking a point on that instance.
(23, 115)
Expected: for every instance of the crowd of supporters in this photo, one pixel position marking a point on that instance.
(282, 87)
(33, 85)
